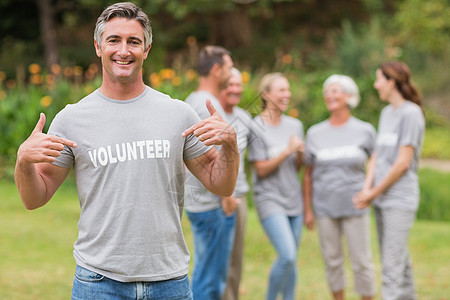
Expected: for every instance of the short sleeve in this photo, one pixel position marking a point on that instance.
(411, 129)
(67, 158)
(371, 140)
(192, 146)
(257, 148)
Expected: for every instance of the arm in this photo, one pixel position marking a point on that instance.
(36, 178)
(370, 173)
(267, 167)
(401, 164)
(216, 170)
(307, 196)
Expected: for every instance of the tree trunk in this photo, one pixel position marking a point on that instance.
(231, 29)
(48, 33)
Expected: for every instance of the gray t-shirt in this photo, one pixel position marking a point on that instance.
(241, 122)
(404, 126)
(198, 198)
(129, 171)
(279, 192)
(338, 155)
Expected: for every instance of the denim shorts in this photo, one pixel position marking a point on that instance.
(90, 285)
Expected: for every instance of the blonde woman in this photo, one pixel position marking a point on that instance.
(276, 153)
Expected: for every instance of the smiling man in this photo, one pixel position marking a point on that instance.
(128, 144)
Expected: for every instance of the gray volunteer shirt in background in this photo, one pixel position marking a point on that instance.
(338, 155)
(241, 120)
(280, 192)
(129, 171)
(404, 126)
(197, 197)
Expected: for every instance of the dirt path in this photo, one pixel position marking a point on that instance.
(437, 164)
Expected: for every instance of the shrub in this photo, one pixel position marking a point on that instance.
(434, 191)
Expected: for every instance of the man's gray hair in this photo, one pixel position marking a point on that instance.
(125, 10)
(348, 85)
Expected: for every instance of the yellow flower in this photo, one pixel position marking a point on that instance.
(56, 69)
(155, 80)
(293, 112)
(191, 74)
(46, 101)
(2, 76)
(93, 68)
(176, 81)
(167, 73)
(50, 80)
(77, 71)
(245, 77)
(68, 72)
(287, 59)
(36, 79)
(34, 68)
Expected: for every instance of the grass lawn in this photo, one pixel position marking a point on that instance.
(36, 259)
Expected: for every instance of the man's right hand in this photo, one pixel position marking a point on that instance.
(41, 147)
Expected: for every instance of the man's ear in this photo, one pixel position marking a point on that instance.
(97, 49)
(215, 70)
(147, 51)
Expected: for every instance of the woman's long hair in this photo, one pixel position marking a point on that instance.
(401, 74)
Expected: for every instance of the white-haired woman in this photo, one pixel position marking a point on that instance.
(336, 153)
(276, 152)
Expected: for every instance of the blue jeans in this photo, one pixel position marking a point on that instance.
(284, 233)
(213, 240)
(90, 285)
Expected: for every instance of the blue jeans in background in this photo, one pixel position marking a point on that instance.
(284, 233)
(213, 240)
(91, 285)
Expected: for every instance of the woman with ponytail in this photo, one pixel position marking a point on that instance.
(276, 152)
(391, 181)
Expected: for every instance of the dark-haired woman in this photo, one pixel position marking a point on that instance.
(391, 181)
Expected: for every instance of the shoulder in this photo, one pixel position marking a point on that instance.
(292, 121)
(168, 101)
(366, 126)
(242, 113)
(316, 128)
(411, 108)
(199, 97)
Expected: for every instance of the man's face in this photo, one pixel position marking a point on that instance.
(225, 71)
(122, 50)
(231, 95)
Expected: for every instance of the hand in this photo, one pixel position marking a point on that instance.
(213, 130)
(41, 147)
(363, 199)
(295, 145)
(229, 205)
(309, 219)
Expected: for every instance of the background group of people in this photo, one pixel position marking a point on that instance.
(130, 243)
(337, 186)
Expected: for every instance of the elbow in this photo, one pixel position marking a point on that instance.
(30, 206)
(224, 191)
(33, 204)
(261, 172)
